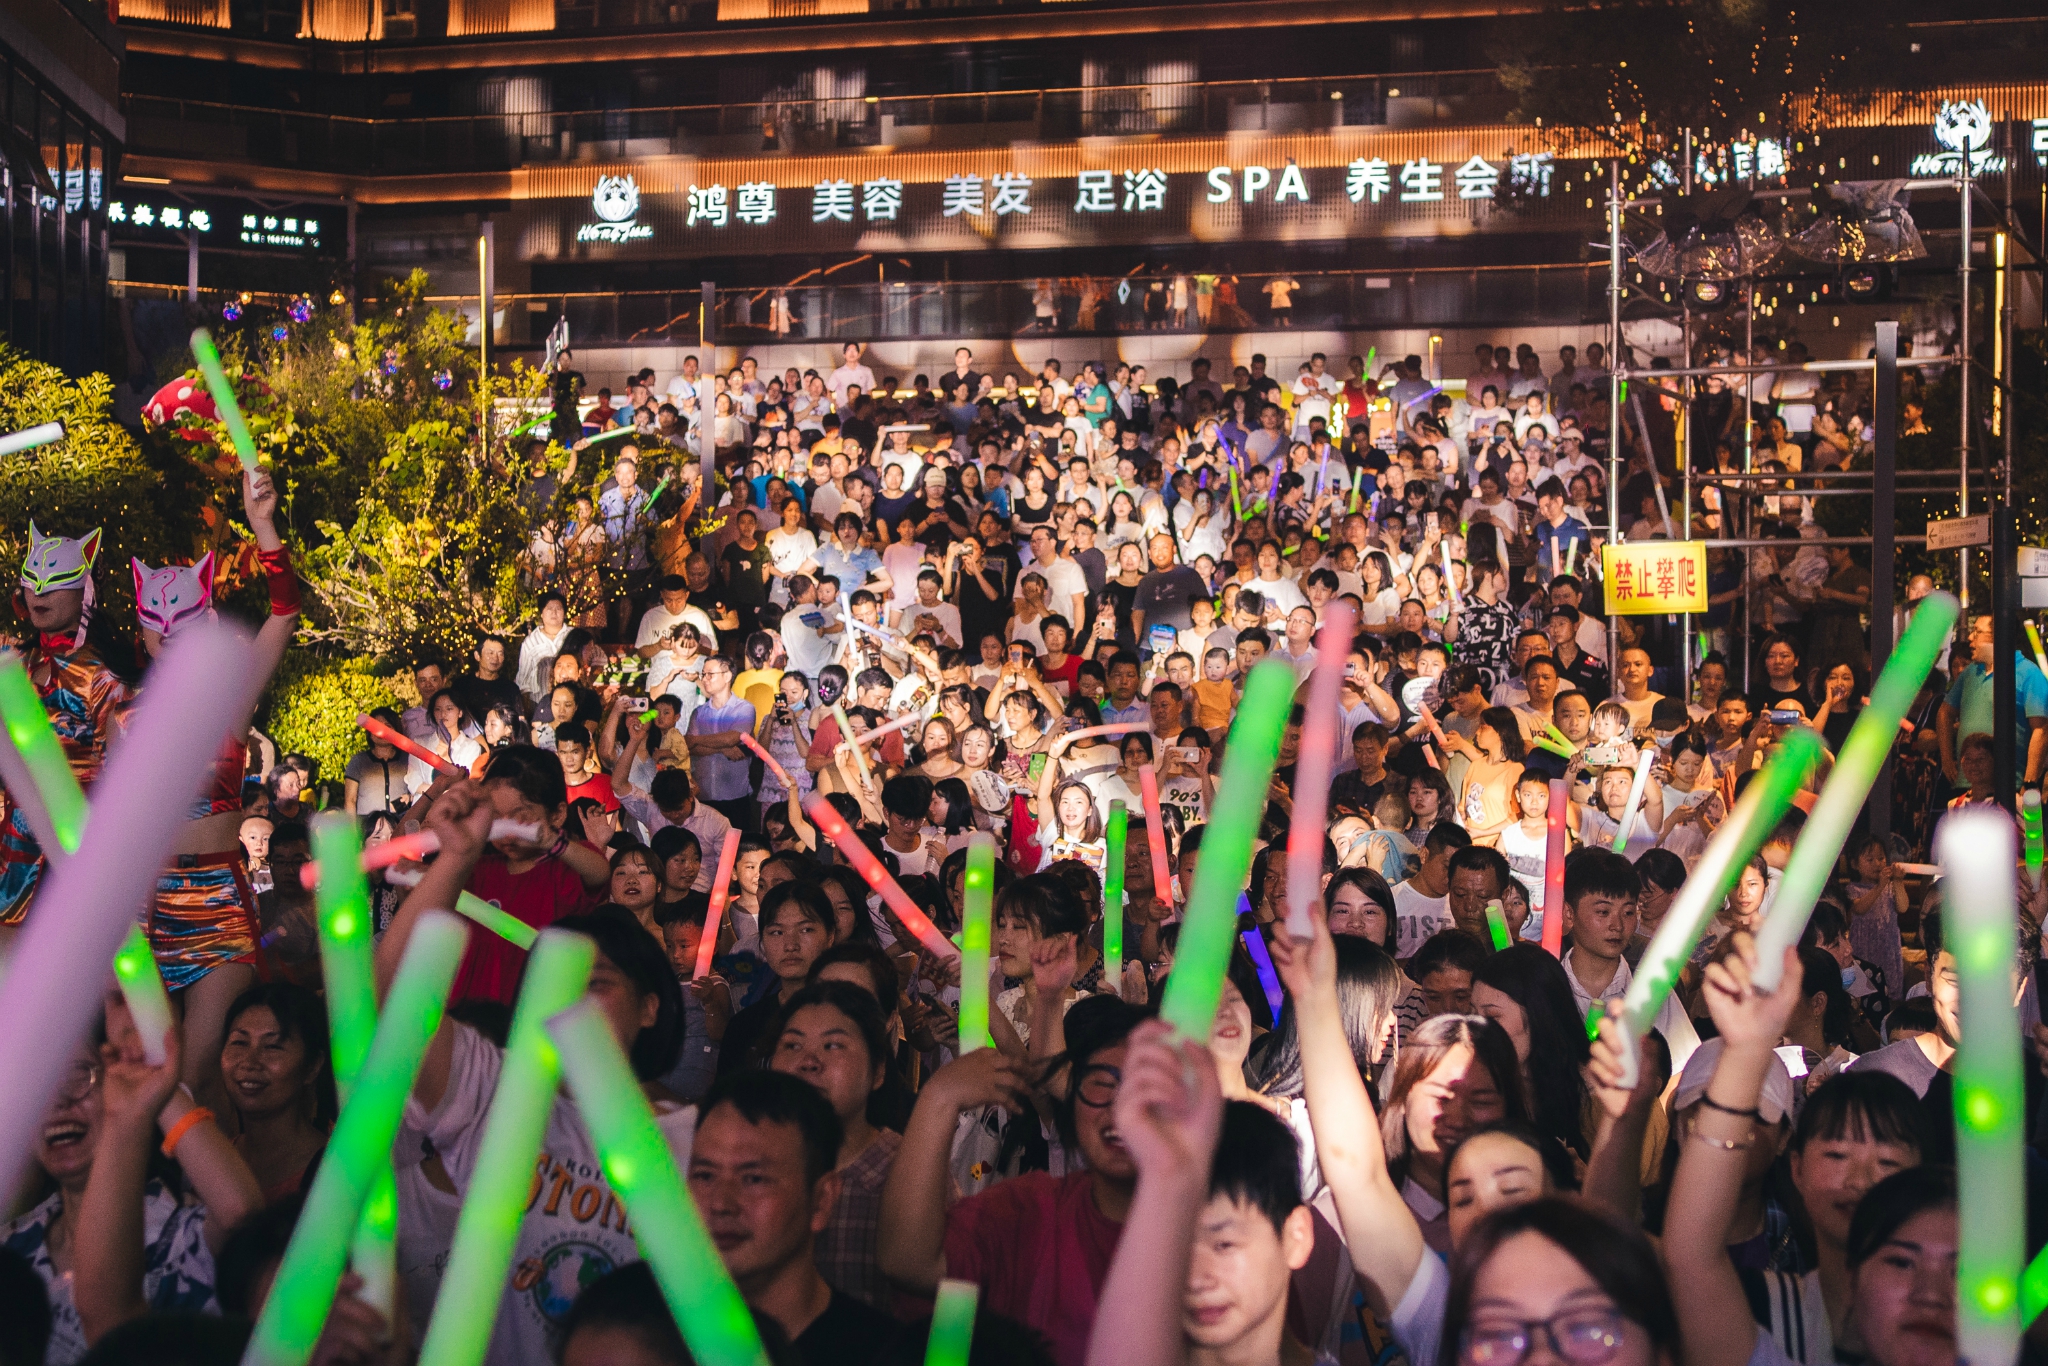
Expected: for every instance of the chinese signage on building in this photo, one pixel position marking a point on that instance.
(219, 221)
(1655, 577)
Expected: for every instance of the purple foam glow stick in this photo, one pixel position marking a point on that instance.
(203, 687)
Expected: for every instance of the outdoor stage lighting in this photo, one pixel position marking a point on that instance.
(1861, 284)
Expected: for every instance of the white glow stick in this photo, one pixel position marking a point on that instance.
(1450, 578)
(1635, 797)
(28, 438)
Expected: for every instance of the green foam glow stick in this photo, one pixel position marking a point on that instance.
(2030, 823)
(1114, 837)
(975, 932)
(487, 1229)
(1755, 814)
(359, 1148)
(143, 989)
(612, 435)
(2033, 639)
(1840, 803)
(42, 754)
(344, 925)
(1210, 929)
(474, 908)
(707, 1307)
(1497, 925)
(223, 393)
(660, 486)
(537, 422)
(952, 1330)
(1976, 853)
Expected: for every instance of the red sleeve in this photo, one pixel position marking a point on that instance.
(988, 1236)
(825, 738)
(892, 748)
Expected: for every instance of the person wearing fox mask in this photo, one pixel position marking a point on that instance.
(204, 926)
(85, 698)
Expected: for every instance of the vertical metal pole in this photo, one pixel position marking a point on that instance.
(1685, 434)
(707, 416)
(1614, 364)
(1884, 417)
(485, 260)
(1749, 504)
(1963, 372)
(191, 267)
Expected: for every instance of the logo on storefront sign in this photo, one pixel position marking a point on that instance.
(1964, 128)
(616, 200)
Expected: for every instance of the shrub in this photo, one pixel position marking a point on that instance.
(314, 701)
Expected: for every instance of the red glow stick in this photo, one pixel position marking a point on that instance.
(1430, 755)
(405, 743)
(1155, 836)
(1553, 870)
(1312, 765)
(721, 888)
(863, 861)
(755, 745)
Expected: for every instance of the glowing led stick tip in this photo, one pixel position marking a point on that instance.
(143, 989)
(976, 930)
(208, 356)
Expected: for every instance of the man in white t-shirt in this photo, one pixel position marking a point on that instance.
(1422, 904)
(674, 608)
(684, 384)
(850, 373)
(1314, 391)
(1066, 585)
(930, 613)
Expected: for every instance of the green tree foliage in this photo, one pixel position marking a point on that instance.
(314, 702)
(97, 476)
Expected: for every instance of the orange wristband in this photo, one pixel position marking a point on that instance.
(196, 1115)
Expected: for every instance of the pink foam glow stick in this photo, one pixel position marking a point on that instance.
(1120, 728)
(1430, 755)
(1155, 836)
(890, 728)
(406, 744)
(200, 690)
(413, 848)
(863, 861)
(1554, 840)
(721, 888)
(1316, 757)
(781, 775)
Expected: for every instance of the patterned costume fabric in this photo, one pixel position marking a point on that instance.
(87, 703)
(205, 916)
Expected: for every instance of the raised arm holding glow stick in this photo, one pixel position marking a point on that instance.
(1115, 834)
(475, 909)
(344, 925)
(862, 860)
(359, 1148)
(781, 774)
(1089, 732)
(54, 787)
(1556, 835)
(1635, 797)
(405, 743)
(28, 438)
(860, 757)
(1975, 848)
(224, 403)
(1840, 803)
(1750, 822)
(1309, 831)
(199, 689)
(721, 889)
(706, 1305)
(875, 733)
(1155, 837)
(142, 987)
(977, 925)
(1253, 750)
(487, 1229)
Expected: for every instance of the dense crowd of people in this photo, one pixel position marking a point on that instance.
(918, 605)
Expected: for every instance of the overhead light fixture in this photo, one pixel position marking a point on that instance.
(147, 179)
(1336, 94)
(1393, 94)
(1861, 284)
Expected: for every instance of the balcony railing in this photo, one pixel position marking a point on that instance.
(503, 141)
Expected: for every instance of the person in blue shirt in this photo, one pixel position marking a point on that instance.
(1968, 708)
(623, 508)
(1557, 530)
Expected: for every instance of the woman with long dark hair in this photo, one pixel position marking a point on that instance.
(1524, 990)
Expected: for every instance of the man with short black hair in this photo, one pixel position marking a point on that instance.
(762, 1175)
(1422, 903)
(1477, 875)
